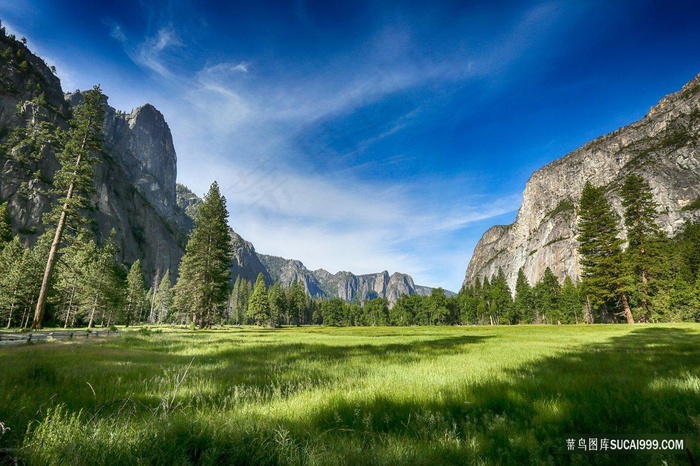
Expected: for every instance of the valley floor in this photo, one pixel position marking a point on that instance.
(386, 395)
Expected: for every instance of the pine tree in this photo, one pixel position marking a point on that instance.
(104, 289)
(546, 298)
(163, 299)
(570, 302)
(259, 304)
(12, 259)
(376, 312)
(645, 256)
(5, 227)
(76, 177)
(468, 303)
(202, 289)
(404, 310)
(296, 302)
(681, 302)
(136, 293)
(696, 301)
(500, 299)
(603, 281)
(523, 306)
(278, 304)
(73, 276)
(687, 252)
(334, 312)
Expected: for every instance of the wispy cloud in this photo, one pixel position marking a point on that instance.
(149, 53)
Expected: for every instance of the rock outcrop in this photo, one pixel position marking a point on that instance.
(135, 191)
(663, 147)
(142, 144)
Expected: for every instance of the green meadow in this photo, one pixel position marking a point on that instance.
(356, 396)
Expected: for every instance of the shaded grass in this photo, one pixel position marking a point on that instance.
(352, 395)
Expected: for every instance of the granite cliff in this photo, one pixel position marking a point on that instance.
(134, 177)
(663, 147)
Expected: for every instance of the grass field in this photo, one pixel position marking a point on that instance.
(430, 395)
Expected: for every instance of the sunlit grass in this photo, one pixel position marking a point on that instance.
(431, 395)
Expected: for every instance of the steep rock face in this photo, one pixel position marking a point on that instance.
(345, 285)
(145, 224)
(663, 147)
(245, 263)
(142, 144)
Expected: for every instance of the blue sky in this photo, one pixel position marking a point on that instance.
(366, 136)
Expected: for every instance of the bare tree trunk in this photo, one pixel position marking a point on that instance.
(9, 319)
(588, 317)
(645, 302)
(70, 304)
(128, 314)
(626, 307)
(92, 313)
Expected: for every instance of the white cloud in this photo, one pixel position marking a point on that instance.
(149, 52)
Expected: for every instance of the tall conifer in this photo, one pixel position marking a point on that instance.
(645, 256)
(603, 281)
(203, 286)
(75, 178)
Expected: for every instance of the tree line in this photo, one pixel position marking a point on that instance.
(78, 278)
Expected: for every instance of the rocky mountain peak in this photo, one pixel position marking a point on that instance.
(663, 147)
(143, 145)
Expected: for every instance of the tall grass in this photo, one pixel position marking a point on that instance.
(351, 395)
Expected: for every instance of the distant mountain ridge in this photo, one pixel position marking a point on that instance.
(345, 285)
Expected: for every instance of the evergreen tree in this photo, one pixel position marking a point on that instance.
(696, 301)
(405, 310)
(136, 293)
(104, 289)
(278, 304)
(483, 308)
(5, 228)
(524, 300)
(259, 304)
(12, 261)
(500, 299)
(73, 277)
(234, 303)
(296, 302)
(546, 298)
(570, 302)
(603, 281)
(334, 312)
(681, 302)
(376, 312)
(76, 179)
(203, 286)
(687, 252)
(645, 255)
(163, 299)
(468, 304)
